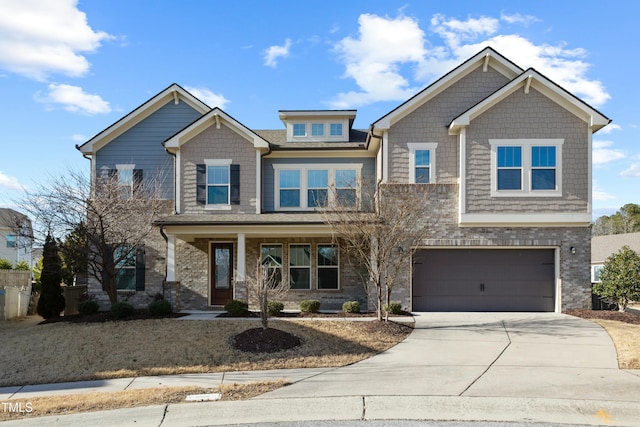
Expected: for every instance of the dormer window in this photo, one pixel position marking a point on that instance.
(299, 129)
(336, 129)
(317, 129)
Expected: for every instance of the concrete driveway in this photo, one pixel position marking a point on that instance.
(523, 355)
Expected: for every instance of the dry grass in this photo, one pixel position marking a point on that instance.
(70, 404)
(61, 352)
(626, 338)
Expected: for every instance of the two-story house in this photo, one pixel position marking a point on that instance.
(504, 153)
(16, 237)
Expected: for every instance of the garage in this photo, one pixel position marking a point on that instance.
(484, 280)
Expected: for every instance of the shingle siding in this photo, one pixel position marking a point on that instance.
(221, 143)
(531, 115)
(142, 144)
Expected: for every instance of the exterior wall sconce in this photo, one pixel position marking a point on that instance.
(573, 250)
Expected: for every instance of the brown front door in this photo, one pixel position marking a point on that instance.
(221, 273)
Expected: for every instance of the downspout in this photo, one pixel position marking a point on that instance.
(175, 186)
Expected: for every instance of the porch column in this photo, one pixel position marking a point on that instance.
(171, 258)
(241, 259)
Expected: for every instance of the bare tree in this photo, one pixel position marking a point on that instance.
(267, 285)
(383, 240)
(114, 216)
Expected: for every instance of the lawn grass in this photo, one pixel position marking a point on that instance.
(626, 338)
(61, 352)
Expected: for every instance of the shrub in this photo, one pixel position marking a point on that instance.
(393, 308)
(120, 310)
(22, 266)
(236, 308)
(351, 307)
(51, 302)
(160, 307)
(5, 264)
(620, 278)
(89, 307)
(310, 306)
(274, 308)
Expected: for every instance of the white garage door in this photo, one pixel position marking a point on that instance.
(484, 280)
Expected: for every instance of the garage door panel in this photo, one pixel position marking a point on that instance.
(484, 280)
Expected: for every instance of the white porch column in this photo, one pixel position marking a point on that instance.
(171, 258)
(240, 273)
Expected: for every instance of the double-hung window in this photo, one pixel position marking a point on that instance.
(289, 188)
(271, 257)
(218, 185)
(317, 188)
(422, 159)
(346, 193)
(125, 259)
(526, 167)
(127, 179)
(11, 240)
(300, 266)
(328, 267)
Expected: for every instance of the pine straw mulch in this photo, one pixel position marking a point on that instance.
(107, 316)
(619, 316)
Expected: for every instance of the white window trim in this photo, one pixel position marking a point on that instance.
(593, 273)
(318, 267)
(526, 145)
(331, 168)
(282, 250)
(325, 137)
(218, 162)
(413, 147)
(293, 134)
(126, 167)
(323, 130)
(289, 266)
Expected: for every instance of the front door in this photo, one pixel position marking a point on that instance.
(221, 273)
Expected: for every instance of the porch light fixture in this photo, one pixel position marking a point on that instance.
(573, 250)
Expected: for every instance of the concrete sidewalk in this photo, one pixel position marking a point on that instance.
(520, 367)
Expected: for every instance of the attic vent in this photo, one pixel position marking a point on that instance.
(176, 99)
(527, 85)
(485, 67)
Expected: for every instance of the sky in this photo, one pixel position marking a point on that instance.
(69, 69)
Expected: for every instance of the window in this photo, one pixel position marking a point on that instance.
(129, 263)
(346, 187)
(307, 187)
(509, 168)
(299, 129)
(543, 168)
(289, 188)
(11, 240)
(317, 184)
(595, 273)
(300, 266)
(128, 178)
(422, 162)
(335, 129)
(526, 167)
(218, 184)
(317, 129)
(271, 257)
(328, 267)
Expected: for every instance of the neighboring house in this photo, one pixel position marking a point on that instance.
(16, 236)
(503, 153)
(602, 247)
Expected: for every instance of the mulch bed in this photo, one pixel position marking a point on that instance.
(270, 340)
(106, 316)
(300, 315)
(626, 317)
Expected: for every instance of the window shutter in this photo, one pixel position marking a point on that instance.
(137, 180)
(107, 265)
(112, 173)
(201, 184)
(234, 172)
(140, 269)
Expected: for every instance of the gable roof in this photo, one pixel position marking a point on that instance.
(486, 57)
(215, 117)
(604, 246)
(533, 79)
(174, 92)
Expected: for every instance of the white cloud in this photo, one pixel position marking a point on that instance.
(633, 171)
(272, 53)
(74, 99)
(10, 182)
(39, 37)
(603, 154)
(610, 128)
(78, 137)
(373, 59)
(208, 97)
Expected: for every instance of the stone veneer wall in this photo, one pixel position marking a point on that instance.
(444, 232)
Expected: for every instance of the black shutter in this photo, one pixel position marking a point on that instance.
(234, 172)
(140, 268)
(201, 184)
(112, 173)
(137, 179)
(107, 265)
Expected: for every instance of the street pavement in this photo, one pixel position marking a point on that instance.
(507, 367)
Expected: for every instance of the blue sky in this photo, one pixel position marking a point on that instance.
(68, 69)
